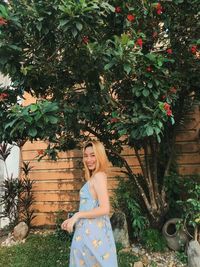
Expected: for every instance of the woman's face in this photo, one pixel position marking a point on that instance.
(89, 158)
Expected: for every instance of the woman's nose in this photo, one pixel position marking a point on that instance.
(88, 159)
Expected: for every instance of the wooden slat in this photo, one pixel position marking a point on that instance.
(127, 151)
(34, 154)
(56, 174)
(190, 135)
(44, 219)
(189, 169)
(56, 196)
(36, 145)
(44, 207)
(193, 158)
(190, 124)
(65, 185)
(54, 165)
(188, 147)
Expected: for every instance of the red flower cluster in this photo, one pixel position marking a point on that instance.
(3, 21)
(85, 39)
(130, 17)
(114, 120)
(149, 69)
(40, 152)
(159, 9)
(193, 49)
(173, 90)
(118, 9)
(169, 51)
(3, 96)
(139, 42)
(167, 107)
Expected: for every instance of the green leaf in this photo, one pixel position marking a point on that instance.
(39, 26)
(145, 92)
(14, 47)
(138, 93)
(74, 32)
(160, 124)
(150, 85)
(108, 66)
(32, 132)
(124, 38)
(10, 124)
(158, 138)
(149, 131)
(151, 57)
(53, 119)
(33, 107)
(122, 132)
(172, 120)
(79, 26)
(63, 22)
(127, 68)
(28, 119)
(3, 11)
(179, 1)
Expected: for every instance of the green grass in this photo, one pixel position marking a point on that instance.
(37, 251)
(46, 251)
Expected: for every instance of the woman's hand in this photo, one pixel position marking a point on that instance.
(68, 224)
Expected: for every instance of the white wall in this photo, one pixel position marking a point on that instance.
(12, 161)
(1, 179)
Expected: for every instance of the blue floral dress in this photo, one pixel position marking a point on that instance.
(93, 244)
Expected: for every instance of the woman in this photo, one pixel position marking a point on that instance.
(93, 243)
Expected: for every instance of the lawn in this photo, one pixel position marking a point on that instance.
(45, 251)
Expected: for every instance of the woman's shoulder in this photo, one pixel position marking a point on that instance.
(100, 176)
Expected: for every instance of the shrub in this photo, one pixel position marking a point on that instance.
(125, 200)
(59, 233)
(18, 198)
(183, 194)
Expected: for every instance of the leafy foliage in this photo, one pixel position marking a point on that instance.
(183, 197)
(179, 189)
(59, 233)
(119, 71)
(17, 198)
(191, 211)
(126, 200)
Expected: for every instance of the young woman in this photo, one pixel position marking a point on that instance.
(93, 243)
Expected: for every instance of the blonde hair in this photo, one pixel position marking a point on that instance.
(101, 158)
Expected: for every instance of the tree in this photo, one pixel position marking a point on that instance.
(123, 72)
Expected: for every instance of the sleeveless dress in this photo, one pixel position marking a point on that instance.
(93, 244)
